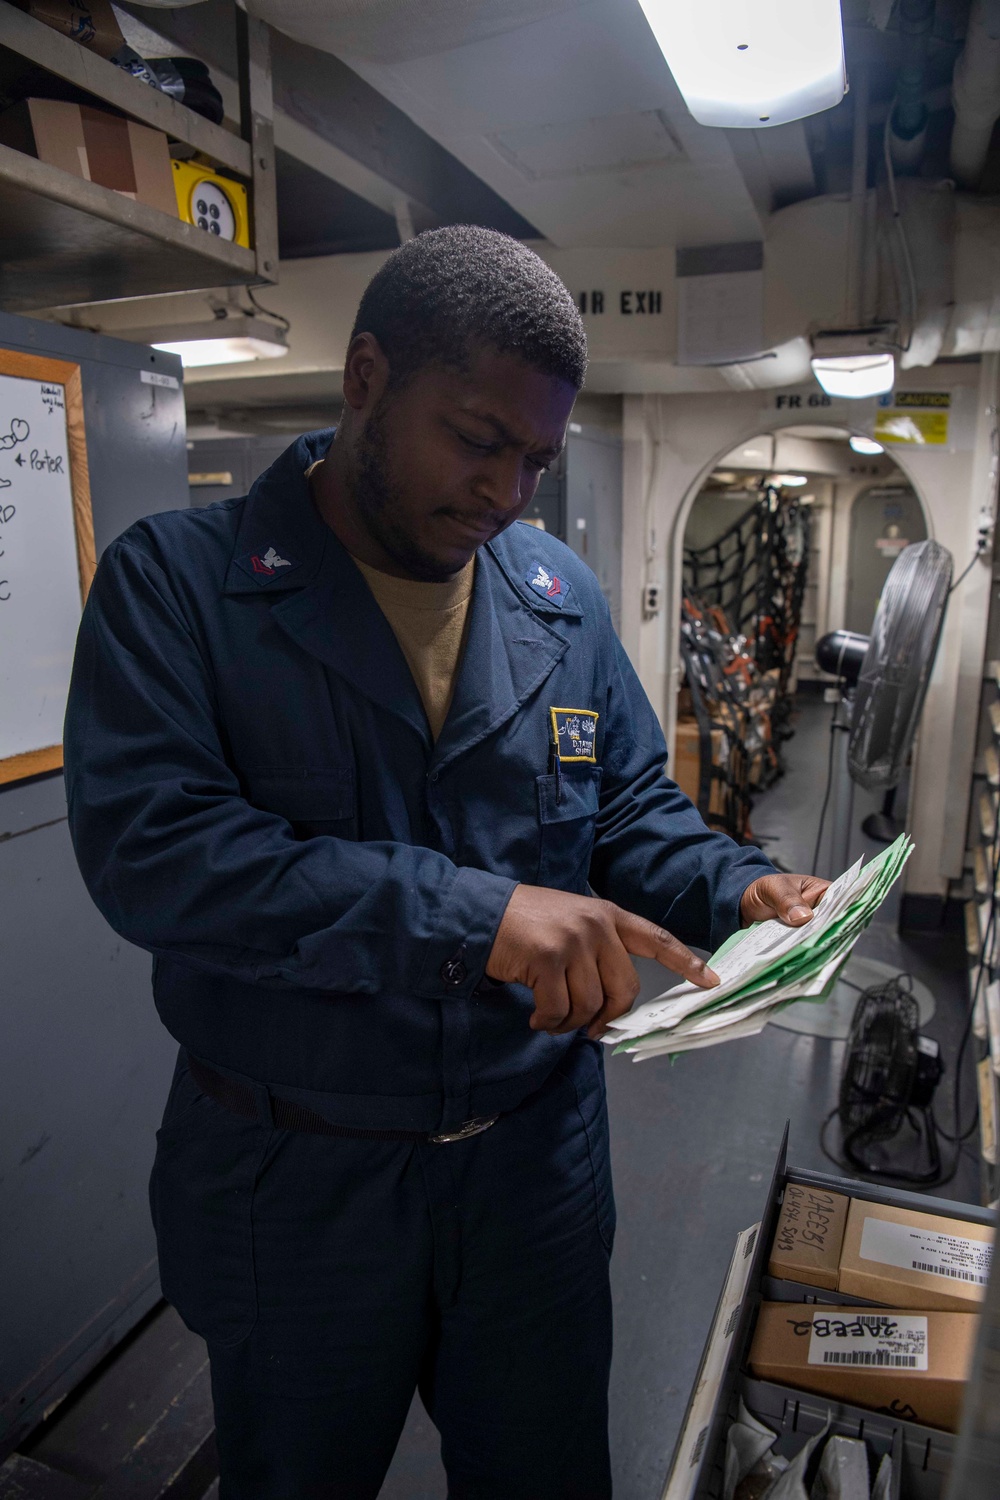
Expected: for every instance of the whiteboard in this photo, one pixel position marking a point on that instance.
(43, 512)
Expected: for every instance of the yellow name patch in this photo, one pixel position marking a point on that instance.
(574, 733)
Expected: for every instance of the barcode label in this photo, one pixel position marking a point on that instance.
(952, 1271)
(868, 1341)
(956, 1257)
(874, 1357)
(699, 1447)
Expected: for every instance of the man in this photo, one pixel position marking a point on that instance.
(345, 756)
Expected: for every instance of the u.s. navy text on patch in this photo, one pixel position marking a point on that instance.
(574, 733)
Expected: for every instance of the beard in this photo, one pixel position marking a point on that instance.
(379, 499)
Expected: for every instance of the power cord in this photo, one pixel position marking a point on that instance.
(829, 785)
(911, 280)
(278, 318)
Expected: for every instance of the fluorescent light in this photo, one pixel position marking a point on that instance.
(789, 481)
(225, 341)
(747, 65)
(854, 376)
(222, 351)
(865, 445)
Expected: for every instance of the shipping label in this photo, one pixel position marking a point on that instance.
(954, 1257)
(869, 1341)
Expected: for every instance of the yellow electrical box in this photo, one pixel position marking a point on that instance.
(211, 202)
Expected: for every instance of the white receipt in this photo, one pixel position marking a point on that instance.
(869, 1341)
(952, 1256)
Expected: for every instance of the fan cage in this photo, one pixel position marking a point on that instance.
(894, 675)
(880, 1064)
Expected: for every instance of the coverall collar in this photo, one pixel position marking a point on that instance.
(323, 603)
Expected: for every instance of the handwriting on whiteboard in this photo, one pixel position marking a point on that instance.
(19, 432)
(39, 571)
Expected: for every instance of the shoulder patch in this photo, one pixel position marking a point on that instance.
(548, 585)
(266, 564)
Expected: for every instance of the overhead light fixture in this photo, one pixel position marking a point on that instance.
(865, 445)
(789, 481)
(749, 66)
(226, 341)
(853, 363)
(855, 376)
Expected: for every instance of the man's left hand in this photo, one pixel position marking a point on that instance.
(790, 898)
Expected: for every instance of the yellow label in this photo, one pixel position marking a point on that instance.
(924, 428)
(939, 399)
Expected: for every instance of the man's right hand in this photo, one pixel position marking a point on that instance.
(573, 953)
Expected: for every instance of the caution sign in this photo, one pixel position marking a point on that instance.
(916, 417)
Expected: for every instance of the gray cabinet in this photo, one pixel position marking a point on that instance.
(221, 468)
(84, 1062)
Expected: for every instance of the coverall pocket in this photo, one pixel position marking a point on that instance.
(201, 1196)
(567, 814)
(315, 800)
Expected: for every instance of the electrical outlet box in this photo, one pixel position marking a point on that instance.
(652, 600)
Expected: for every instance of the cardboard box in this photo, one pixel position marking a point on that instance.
(686, 768)
(92, 143)
(92, 23)
(909, 1259)
(809, 1236)
(909, 1364)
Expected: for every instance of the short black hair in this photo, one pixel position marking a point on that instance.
(447, 290)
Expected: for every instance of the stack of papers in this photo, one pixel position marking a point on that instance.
(764, 968)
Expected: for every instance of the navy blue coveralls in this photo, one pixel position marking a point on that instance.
(255, 798)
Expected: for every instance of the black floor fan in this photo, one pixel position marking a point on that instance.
(882, 680)
(890, 1070)
(890, 1074)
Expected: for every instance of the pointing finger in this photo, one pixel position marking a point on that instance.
(646, 940)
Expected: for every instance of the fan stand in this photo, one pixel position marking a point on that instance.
(882, 826)
(832, 1018)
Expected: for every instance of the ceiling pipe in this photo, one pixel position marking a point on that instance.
(975, 93)
(909, 116)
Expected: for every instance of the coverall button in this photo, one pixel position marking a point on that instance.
(433, 776)
(454, 972)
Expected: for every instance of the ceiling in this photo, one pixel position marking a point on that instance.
(557, 121)
(572, 118)
(567, 111)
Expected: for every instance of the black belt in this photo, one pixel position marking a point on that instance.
(241, 1098)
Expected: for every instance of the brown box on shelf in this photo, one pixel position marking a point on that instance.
(809, 1236)
(910, 1259)
(92, 23)
(94, 144)
(914, 1364)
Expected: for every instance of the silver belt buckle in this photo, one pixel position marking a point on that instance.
(471, 1127)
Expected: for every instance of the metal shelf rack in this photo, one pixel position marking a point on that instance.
(982, 910)
(64, 240)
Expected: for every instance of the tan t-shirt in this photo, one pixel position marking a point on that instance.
(428, 620)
